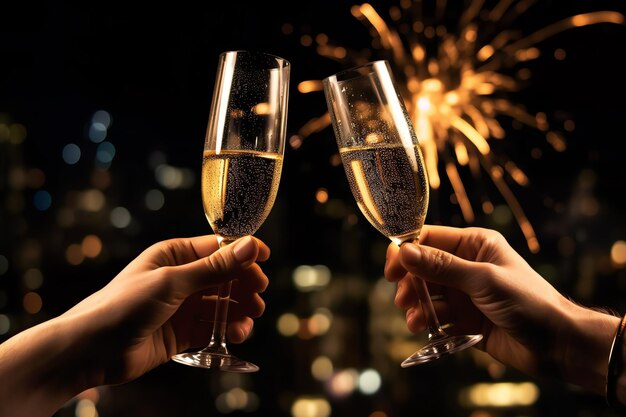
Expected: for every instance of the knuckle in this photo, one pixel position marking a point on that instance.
(493, 238)
(440, 262)
(218, 262)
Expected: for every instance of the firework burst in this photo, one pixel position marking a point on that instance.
(456, 85)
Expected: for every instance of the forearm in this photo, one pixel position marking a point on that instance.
(38, 371)
(585, 348)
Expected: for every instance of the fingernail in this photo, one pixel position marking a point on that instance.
(244, 249)
(411, 253)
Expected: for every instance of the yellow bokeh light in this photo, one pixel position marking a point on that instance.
(310, 407)
(319, 324)
(288, 324)
(91, 200)
(310, 86)
(500, 394)
(322, 368)
(262, 109)
(618, 253)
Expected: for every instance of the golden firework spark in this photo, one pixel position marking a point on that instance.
(456, 97)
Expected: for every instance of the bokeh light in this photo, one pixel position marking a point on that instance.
(5, 324)
(310, 407)
(91, 246)
(32, 302)
(288, 324)
(97, 132)
(618, 253)
(71, 153)
(120, 217)
(311, 278)
(105, 154)
(33, 278)
(42, 200)
(343, 383)
(500, 394)
(91, 200)
(369, 381)
(322, 368)
(155, 200)
(74, 254)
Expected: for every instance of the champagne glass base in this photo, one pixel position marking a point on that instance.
(438, 347)
(214, 360)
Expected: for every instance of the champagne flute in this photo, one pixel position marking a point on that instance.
(385, 169)
(241, 168)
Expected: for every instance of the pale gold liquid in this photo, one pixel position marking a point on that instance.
(239, 189)
(390, 187)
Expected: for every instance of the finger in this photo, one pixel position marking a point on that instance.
(217, 268)
(394, 270)
(199, 247)
(251, 305)
(415, 321)
(203, 246)
(192, 323)
(442, 237)
(173, 252)
(439, 266)
(457, 316)
(252, 279)
(467, 243)
(264, 250)
(407, 296)
(238, 331)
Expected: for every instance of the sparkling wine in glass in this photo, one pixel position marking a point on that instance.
(385, 169)
(241, 168)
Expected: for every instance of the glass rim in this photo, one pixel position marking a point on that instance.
(258, 53)
(356, 71)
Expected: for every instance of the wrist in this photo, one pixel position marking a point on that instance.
(584, 346)
(615, 380)
(43, 372)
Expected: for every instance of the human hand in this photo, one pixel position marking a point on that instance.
(488, 288)
(157, 306)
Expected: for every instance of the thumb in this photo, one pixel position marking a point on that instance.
(217, 268)
(438, 266)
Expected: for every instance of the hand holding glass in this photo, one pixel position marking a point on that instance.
(241, 168)
(385, 169)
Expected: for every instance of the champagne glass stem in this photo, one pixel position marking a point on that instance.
(428, 309)
(218, 336)
(432, 322)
